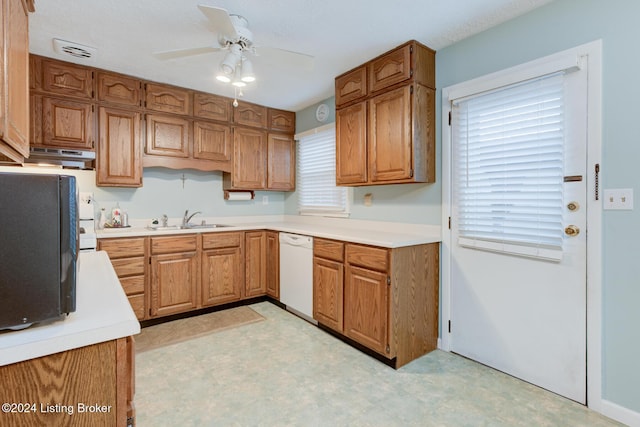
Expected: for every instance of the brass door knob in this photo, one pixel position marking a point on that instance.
(571, 230)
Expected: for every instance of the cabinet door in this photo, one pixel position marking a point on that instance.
(351, 145)
(214, 107)
(119, 161)
(351, 86)
(391, 68)
(281, 163)
(273, 264)
(255, 264)
(119, 89)
(282, 121)
(67, 123)
(390, 136)
(14, 79)
(211, 141)
(249, 159)
(250, 115)
(173, 283)
(167, 99)
(328, 292)
(366, 307)
(167, 136)
(67, 79)
(222, 275)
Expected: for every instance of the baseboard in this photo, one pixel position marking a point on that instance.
(619, 413)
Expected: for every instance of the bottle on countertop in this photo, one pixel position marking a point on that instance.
(103, 219)
(116, 216)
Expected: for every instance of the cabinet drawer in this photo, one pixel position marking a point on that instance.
(221, 240)
(128, 266)
(351, 86)
(329, 249)
(122, 248)
(367, 256)
(173, 244)
(137, 304)
(133, 285)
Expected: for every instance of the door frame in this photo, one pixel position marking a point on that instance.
(594, 207)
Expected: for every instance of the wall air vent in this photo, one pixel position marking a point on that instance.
(76, 50)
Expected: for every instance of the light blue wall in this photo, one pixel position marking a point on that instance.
(560, 25)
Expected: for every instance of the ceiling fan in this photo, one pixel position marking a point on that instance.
(235, 37)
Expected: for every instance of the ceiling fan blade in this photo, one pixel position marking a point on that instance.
(220, 20)
(283, 56)
(181, 53)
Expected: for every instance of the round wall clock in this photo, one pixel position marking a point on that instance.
(322, 112)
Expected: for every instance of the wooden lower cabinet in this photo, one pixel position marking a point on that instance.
(101, 375)
(174, 275)
(255, 264)
(273, 264)
(384, 299)
(129, 259)
(222, 272)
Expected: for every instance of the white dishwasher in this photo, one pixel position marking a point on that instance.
(296, 274)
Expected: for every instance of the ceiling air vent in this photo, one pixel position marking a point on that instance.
(76, 50)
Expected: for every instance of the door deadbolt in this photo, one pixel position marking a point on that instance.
(573, 206)
(571, 230)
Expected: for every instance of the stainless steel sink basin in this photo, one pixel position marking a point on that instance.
(200, 226)
(163, 227)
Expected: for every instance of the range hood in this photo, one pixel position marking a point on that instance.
(61, 157)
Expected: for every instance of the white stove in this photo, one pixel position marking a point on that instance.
(88, 240)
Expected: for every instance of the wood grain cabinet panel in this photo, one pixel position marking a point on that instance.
(173, 284)
(351, 145)
(328, 292)
(273, 264)
(167, 99)
(252, 115)
(249, 160)
(14, 80)
(119, 159)
(167, 136)
(64, 78)
(222, 275)
(212, 141)
(212, 107)
(282, 121)
(281, 162)
(119, 89)
(67, 124)
(351, 86)
(389, 69)
(255, 264)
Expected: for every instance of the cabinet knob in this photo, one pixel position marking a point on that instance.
(571, 230)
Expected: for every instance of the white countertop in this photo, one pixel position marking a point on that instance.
(375, 233)
(103, 313)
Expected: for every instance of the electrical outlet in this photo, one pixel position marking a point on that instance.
(85, 197)
(618, 199)
(265, 200)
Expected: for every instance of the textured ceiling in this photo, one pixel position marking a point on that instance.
(339, 34)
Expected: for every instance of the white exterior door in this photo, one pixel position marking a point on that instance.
(519, 304)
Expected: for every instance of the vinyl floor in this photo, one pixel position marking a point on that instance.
(286, 372)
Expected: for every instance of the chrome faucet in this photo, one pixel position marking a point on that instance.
(187, 217)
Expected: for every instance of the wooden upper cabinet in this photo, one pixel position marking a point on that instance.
(389, 69)
(351, 86)
(167, 99)
(249, 160)
(351, 144)
(167, 135)
(64, 78)
(67, 124)
(282, 121)
(14, 79)
(390, 136)
(119, 160)
(250, 115)
(281, 162)
(212, 107)
(119, 89)
(211, 141)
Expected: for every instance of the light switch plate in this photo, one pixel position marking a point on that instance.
(618, 199)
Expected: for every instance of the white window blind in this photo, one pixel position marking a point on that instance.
(316, 176)
(508, 168)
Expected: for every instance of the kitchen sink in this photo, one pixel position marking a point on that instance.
(163, 227)
(200, 226)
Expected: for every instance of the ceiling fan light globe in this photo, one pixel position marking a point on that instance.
(238, 83)
(248, 79)
(223, 78)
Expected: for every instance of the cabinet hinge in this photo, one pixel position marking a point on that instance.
(388, 280)
(449, 118)
(410, 173)
(410, 49)
(388, 349)
(449, 223)
(449, 326)
(411, 88)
